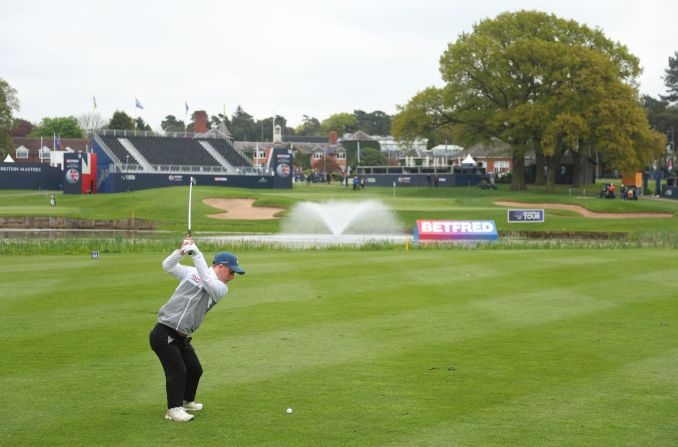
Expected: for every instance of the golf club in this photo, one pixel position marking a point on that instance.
(190, 193)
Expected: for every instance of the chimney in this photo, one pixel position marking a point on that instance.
(333, 137)
(200, 121)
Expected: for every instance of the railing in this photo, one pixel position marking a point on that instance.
(185, 169)
(455, 169)
(150, 133)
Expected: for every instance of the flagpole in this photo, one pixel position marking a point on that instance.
(94, 110)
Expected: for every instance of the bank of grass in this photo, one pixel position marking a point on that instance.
(168, 207)
(370, 348)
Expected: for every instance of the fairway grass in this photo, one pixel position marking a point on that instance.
(167, 207)
(555, 347)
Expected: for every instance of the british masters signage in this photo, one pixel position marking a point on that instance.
(455, 230)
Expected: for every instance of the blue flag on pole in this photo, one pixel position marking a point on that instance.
(139, 106)
(186, 106)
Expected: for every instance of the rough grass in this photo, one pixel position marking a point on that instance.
(370, 348)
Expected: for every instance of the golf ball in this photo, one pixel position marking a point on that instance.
(289, 411)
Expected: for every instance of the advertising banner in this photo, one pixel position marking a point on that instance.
(72, 173)
(281, 162)
(525, 216)
(455, 230)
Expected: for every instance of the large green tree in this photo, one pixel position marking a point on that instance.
(140, 124)
(171, 124)
(64, 127)
(665, 116)
(373, 123)
(310, 126)
(243, 127)
(513, 78)
(372, 157)
(341, 123)
(9, 103)
(671, 79)
(121, 121)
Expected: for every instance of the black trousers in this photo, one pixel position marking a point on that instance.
(180, 362)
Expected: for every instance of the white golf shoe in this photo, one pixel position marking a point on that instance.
(192, 406)
(178, 414)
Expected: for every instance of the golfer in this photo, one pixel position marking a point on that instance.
(199, 289)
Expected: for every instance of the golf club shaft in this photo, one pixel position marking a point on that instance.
(190, 194)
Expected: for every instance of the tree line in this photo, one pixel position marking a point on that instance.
(242, 125)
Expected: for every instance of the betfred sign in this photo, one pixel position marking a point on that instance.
(456, 230)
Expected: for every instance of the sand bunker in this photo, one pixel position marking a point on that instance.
(584, 212)
(241, 209)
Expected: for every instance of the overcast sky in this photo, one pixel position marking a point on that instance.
(291, 58)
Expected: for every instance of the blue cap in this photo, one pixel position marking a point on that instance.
(229, 260)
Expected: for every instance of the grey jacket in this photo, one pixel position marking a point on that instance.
(198, 291)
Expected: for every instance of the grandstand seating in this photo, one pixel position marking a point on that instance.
(170, 153)
(117, 148)
(226, 150)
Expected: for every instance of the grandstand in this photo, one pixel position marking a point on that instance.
(140, 152)
(134, 160)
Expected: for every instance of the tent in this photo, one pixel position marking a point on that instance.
(469, 161)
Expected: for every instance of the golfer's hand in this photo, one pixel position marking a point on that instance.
(188, 246)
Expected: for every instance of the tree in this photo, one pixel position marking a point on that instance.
(171, 124)
(141, 125)
(243, 127)
(519, 77)
(372, 157)
(374, 123)
(671, 79)
(121, 121)
(302, 160)
(669, 116)
(6, 144)
(64, 127)
(309, 127)
(341, 123)
(21, 128)
(219, 118)
(327, 164)
(426, 116)
(9, 102)
(265, 127)
(91, 121)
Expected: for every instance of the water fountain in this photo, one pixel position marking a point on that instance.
(333, 223)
